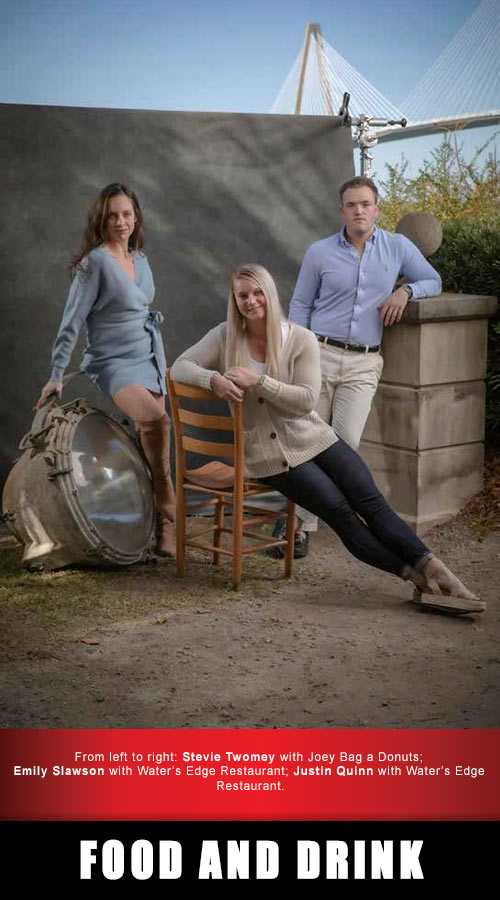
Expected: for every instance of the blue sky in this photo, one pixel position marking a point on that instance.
(218, 55)
(224, 55)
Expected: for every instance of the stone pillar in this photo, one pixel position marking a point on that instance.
(424, 437)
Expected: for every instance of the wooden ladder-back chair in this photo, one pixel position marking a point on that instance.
(225, 483)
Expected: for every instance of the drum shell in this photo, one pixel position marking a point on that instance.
(52, 524)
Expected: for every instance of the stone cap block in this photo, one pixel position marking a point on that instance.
(449, 307)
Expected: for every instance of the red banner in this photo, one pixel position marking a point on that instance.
(250, 775)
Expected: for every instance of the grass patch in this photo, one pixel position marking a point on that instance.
(39, 610)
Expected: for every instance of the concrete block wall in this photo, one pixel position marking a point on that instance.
(424, 437)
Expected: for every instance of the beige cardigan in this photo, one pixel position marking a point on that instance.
(281, 428)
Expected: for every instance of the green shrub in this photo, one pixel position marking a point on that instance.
(468, 260)
(469, 263)
(465, 197)
(493, 386)
(446, 185)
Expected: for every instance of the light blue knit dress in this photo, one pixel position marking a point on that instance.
(124, 343)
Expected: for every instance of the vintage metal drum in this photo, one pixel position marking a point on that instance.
(81, 492)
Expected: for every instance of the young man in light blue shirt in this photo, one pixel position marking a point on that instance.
(345, 294)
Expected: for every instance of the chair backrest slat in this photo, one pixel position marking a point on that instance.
(207, 448)
(183, 442)
(201, 420)
(190, 390)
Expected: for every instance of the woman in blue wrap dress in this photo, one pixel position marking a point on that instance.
(111, 292)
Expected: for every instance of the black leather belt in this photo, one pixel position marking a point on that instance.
(358, 348)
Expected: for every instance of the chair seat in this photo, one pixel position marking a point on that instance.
(219, 476)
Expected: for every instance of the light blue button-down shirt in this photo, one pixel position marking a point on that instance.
(339, 293)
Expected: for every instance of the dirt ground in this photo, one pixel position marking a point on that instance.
(339, 645)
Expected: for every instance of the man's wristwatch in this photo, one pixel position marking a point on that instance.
(409, 290)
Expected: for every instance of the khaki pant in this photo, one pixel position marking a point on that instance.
(348, 384)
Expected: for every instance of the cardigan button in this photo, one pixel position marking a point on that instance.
(273, 434)
(261, 399)
(285, 464)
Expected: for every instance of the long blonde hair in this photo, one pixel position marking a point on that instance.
(237, 353)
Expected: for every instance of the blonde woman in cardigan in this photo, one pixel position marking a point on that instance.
(272, 366)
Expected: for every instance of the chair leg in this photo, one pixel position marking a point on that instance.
(237, 544)
(181, 531)
(290, 516)
(219, 523)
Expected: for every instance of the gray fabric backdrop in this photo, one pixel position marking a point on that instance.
(217, 190)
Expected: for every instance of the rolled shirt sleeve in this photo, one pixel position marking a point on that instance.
(422, 277)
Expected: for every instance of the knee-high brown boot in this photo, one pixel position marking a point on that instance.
(155, 442)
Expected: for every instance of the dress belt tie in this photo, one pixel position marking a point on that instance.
(155, 317)
(152, 324)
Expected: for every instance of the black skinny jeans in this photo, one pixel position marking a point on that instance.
(337, 486)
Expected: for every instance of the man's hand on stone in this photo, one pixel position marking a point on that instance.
(392, 310)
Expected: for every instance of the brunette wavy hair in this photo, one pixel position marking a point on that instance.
(96, 233)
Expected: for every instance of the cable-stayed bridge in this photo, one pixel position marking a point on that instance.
(462, 88)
